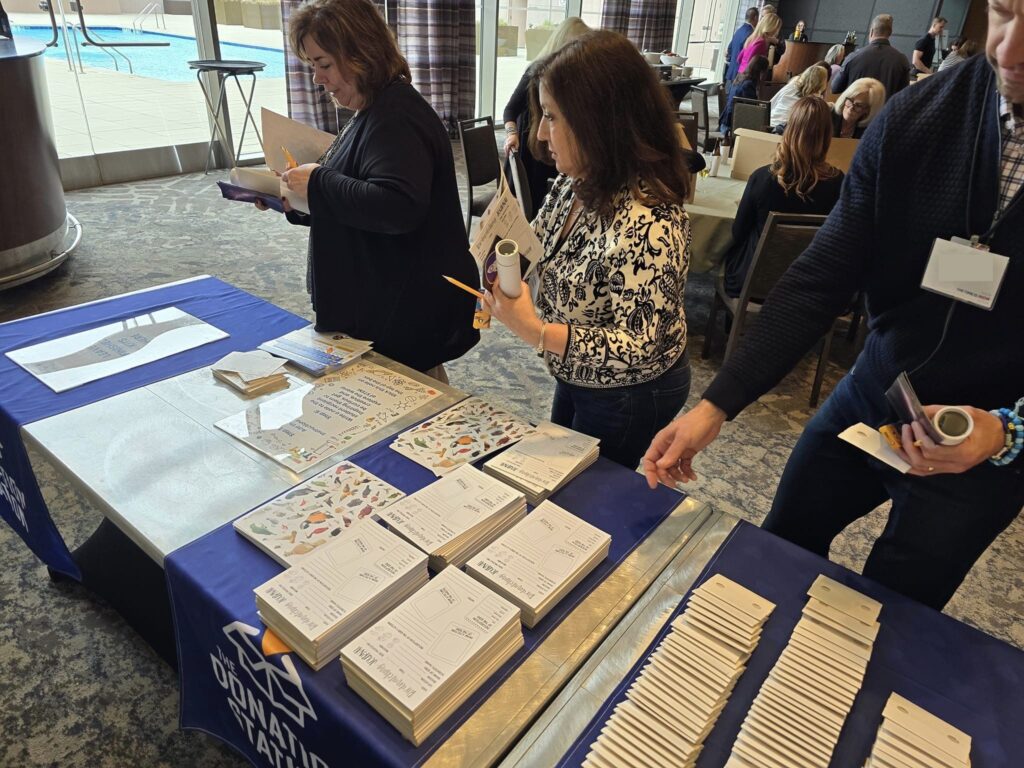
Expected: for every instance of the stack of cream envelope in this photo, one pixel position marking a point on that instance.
(252, 373)
(911, 737)
(455, 517)
(332, 595)
(541, 463)
(539, 561)
(419, 663)
(674, 702)
(797, 715)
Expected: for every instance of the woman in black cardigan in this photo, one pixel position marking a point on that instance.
(385, 218)
(799, 180)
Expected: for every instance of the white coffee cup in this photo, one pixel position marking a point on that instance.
(953, 424)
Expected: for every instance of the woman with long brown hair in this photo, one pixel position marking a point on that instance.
(616, 243)
(799, 180)
(385, 219)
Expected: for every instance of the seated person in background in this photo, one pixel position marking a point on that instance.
(616, 240)
(856, 107)
(834, 58)
(960, 50)
(745, 87)
(799, 36)
(812, 82)
(797, 181)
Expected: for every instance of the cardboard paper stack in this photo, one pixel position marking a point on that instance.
(321, 603)
(251, 373)
(457, 516)
(541, 559)
(424, 659)
(541, 463)
(797, 715)
(911, 737)
(675, 701)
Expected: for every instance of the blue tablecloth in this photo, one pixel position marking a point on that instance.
(249, 321)
(271, 706)
(967, 678)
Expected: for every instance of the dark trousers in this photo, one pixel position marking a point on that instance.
(624, 419)
(938, 526)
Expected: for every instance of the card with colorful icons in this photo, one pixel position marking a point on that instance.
(316, 512)
(461, 434)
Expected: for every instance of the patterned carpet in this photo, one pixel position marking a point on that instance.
(81, 689)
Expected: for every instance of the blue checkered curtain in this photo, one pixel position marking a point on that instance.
(649, 24)
(307, 103)
(438, 38)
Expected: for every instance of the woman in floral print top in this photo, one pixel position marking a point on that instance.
(616, 248)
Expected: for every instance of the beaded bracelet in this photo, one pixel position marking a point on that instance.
(1013, 427)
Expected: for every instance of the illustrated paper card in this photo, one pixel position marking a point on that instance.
(462, 434)
(317, 511)
(307, 425)
(71, 361)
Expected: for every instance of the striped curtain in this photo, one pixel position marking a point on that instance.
(307, 103)
(438, 38)
(649, 24)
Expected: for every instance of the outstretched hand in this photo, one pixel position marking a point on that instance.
(669, 458)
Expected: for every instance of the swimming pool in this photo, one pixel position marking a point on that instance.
(161, 62)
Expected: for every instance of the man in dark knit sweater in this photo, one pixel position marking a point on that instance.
(954, 501)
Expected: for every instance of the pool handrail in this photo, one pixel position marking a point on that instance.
(77, 4)
(53, 21)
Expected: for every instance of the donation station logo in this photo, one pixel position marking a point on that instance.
(262, 683)
(9, 490)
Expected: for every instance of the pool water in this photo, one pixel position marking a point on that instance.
(159, 62)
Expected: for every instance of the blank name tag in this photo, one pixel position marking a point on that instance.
(962, 272)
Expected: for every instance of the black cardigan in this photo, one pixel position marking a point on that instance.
(386, 223)
(762, 195)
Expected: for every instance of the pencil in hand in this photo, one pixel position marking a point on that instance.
(463, 286)
(289, 161)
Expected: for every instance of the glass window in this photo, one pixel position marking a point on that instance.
(523, 28)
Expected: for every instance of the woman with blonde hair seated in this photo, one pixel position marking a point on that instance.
(811, 82)
(856, 107)
(799, 180)
(608, 319)
(834, 58)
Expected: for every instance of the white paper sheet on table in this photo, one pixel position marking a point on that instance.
(71, 361)
(304, 426)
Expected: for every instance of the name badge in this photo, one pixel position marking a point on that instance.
(968, 273)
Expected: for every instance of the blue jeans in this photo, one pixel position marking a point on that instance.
(625, 419)
(938, 526)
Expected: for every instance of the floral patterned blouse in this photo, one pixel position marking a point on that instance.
(618, 283)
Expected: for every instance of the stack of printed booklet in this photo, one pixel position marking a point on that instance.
(424, 659)
(317, 353)
(355, 589)
(321, 603)
(455, 517)
(541, 559)
(544, 461)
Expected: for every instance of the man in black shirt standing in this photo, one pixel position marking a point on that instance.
(924, 49)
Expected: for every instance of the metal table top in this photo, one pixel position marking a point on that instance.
(152, 461)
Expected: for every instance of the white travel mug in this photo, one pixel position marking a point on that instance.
(953, 424)
(506, 256)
